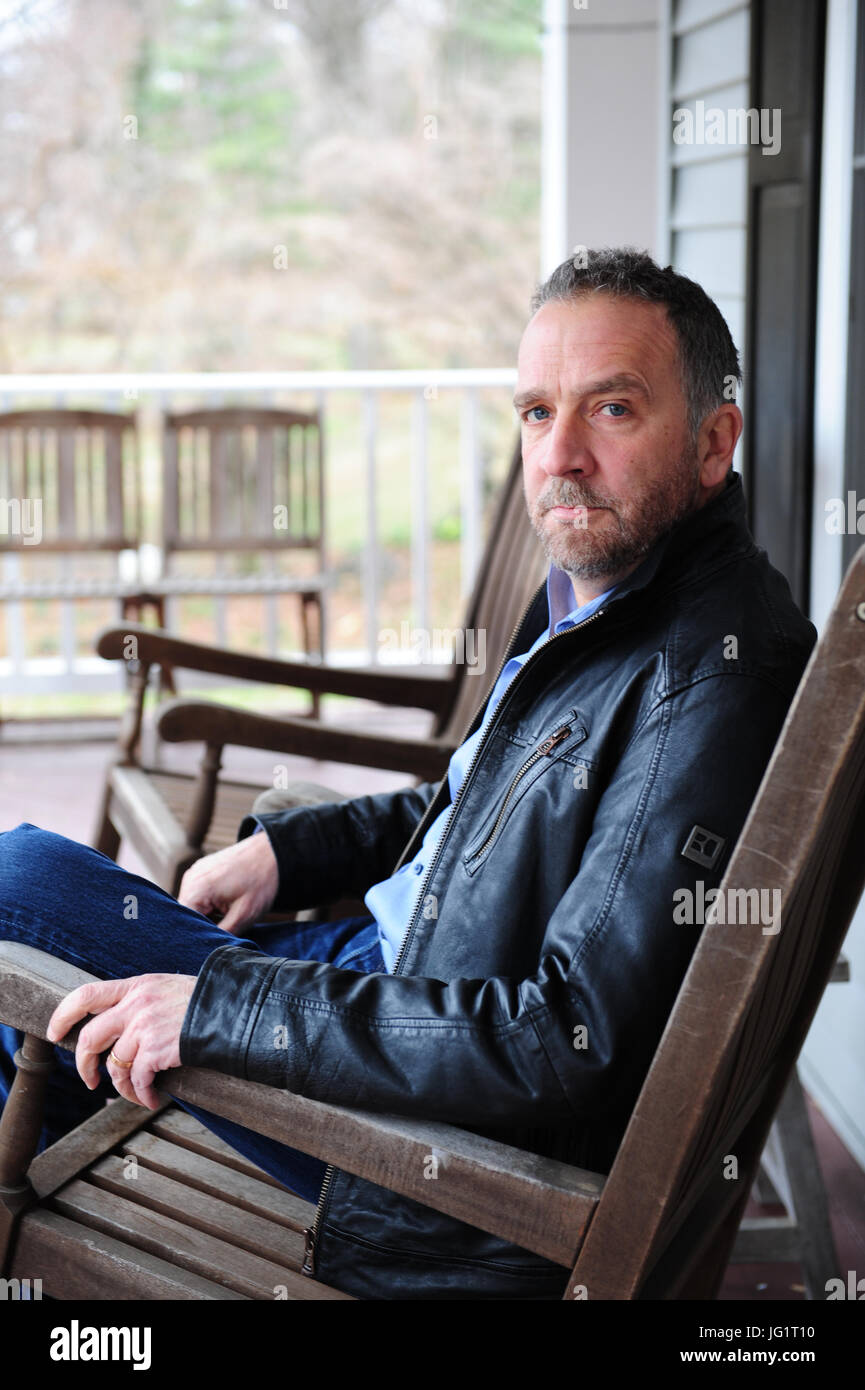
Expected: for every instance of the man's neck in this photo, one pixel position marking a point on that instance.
(563, 598)
(584, 590)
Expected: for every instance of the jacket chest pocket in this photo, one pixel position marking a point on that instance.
(568, 733)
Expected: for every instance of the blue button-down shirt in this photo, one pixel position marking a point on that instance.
(393, 901)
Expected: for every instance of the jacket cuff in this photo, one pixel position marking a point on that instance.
(303, 862)
(221, 1014)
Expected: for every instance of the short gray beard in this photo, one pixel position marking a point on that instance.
(606, 557)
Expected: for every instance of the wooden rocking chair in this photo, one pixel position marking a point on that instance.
(200, 1223)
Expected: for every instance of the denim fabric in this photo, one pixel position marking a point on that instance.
(77, 904)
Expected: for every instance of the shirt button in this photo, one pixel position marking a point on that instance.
(418, 868)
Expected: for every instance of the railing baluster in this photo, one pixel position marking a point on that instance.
(370, 567)
(420, 517)
(324, 601)
(14, 625)
(471, 499)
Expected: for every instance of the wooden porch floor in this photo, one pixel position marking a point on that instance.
(57, 784)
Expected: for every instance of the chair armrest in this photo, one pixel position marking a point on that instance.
(417, 688)
(184, 721)
(538, 1203)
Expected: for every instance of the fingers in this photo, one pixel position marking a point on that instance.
(126, 1048)
(99, 1035)
(86, 999)
(240, 881)
(140, 1018)
(133, 1083)
(141, 1077)
(194, 891)
(236, 918)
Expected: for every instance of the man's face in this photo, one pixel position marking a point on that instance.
(608, 466)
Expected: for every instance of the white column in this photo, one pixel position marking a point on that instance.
(601, 153)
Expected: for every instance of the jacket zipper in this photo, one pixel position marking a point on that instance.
(311, 1233)
(542, 750)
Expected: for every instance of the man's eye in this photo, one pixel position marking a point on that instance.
(614, 405)
(530, 412)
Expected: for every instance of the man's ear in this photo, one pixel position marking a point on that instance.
(716, 443)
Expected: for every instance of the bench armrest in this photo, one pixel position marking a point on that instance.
(416, 688)
(184, 721)
(538, 1203)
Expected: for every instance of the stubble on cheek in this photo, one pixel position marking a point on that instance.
(622, 535)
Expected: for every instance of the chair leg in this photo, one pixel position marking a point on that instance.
(790, 1170)
(166, 683)
(764, 1191)
(107, 837)
(704, 1280)
(807, 1192)
(20, 1128)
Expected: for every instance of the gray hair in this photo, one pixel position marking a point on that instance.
(708, 358)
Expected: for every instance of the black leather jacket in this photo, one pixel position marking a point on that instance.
(552, 902)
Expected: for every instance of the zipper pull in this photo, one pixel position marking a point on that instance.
(308, 1266)
(549, 743)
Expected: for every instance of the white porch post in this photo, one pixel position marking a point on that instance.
(601, 154)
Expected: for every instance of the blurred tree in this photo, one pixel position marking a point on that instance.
(203, 184)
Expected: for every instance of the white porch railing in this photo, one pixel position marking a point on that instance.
(481, 394)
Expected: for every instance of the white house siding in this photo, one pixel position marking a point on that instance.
(706, 232)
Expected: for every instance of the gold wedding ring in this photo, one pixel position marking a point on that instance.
(112, 1057)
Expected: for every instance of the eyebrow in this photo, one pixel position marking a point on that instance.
(622, 381)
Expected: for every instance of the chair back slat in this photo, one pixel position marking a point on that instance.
(73, 462)
(227, 470)
(171, 487)
(220, 484)
(113, 482)
(263, 467)
(67, 521)
(305, 467)
(749, 995)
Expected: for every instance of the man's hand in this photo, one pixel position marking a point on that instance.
(240, 881)
(140, 1019)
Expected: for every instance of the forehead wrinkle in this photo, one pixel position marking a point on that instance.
(620, 381)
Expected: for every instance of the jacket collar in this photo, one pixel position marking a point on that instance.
(719, 530)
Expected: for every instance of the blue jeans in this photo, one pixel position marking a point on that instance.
(77, 904)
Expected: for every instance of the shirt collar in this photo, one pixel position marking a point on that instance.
(562, 607)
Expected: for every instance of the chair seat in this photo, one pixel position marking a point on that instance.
(158, 1207)
(233, 802)
(153, 807)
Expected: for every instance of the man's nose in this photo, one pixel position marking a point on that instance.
(568, 448)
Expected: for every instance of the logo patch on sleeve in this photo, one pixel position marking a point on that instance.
(703, 847)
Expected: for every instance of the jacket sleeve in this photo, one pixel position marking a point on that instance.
(337, 849)
(504, 1051)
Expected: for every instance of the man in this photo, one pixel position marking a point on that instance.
(529, 955)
